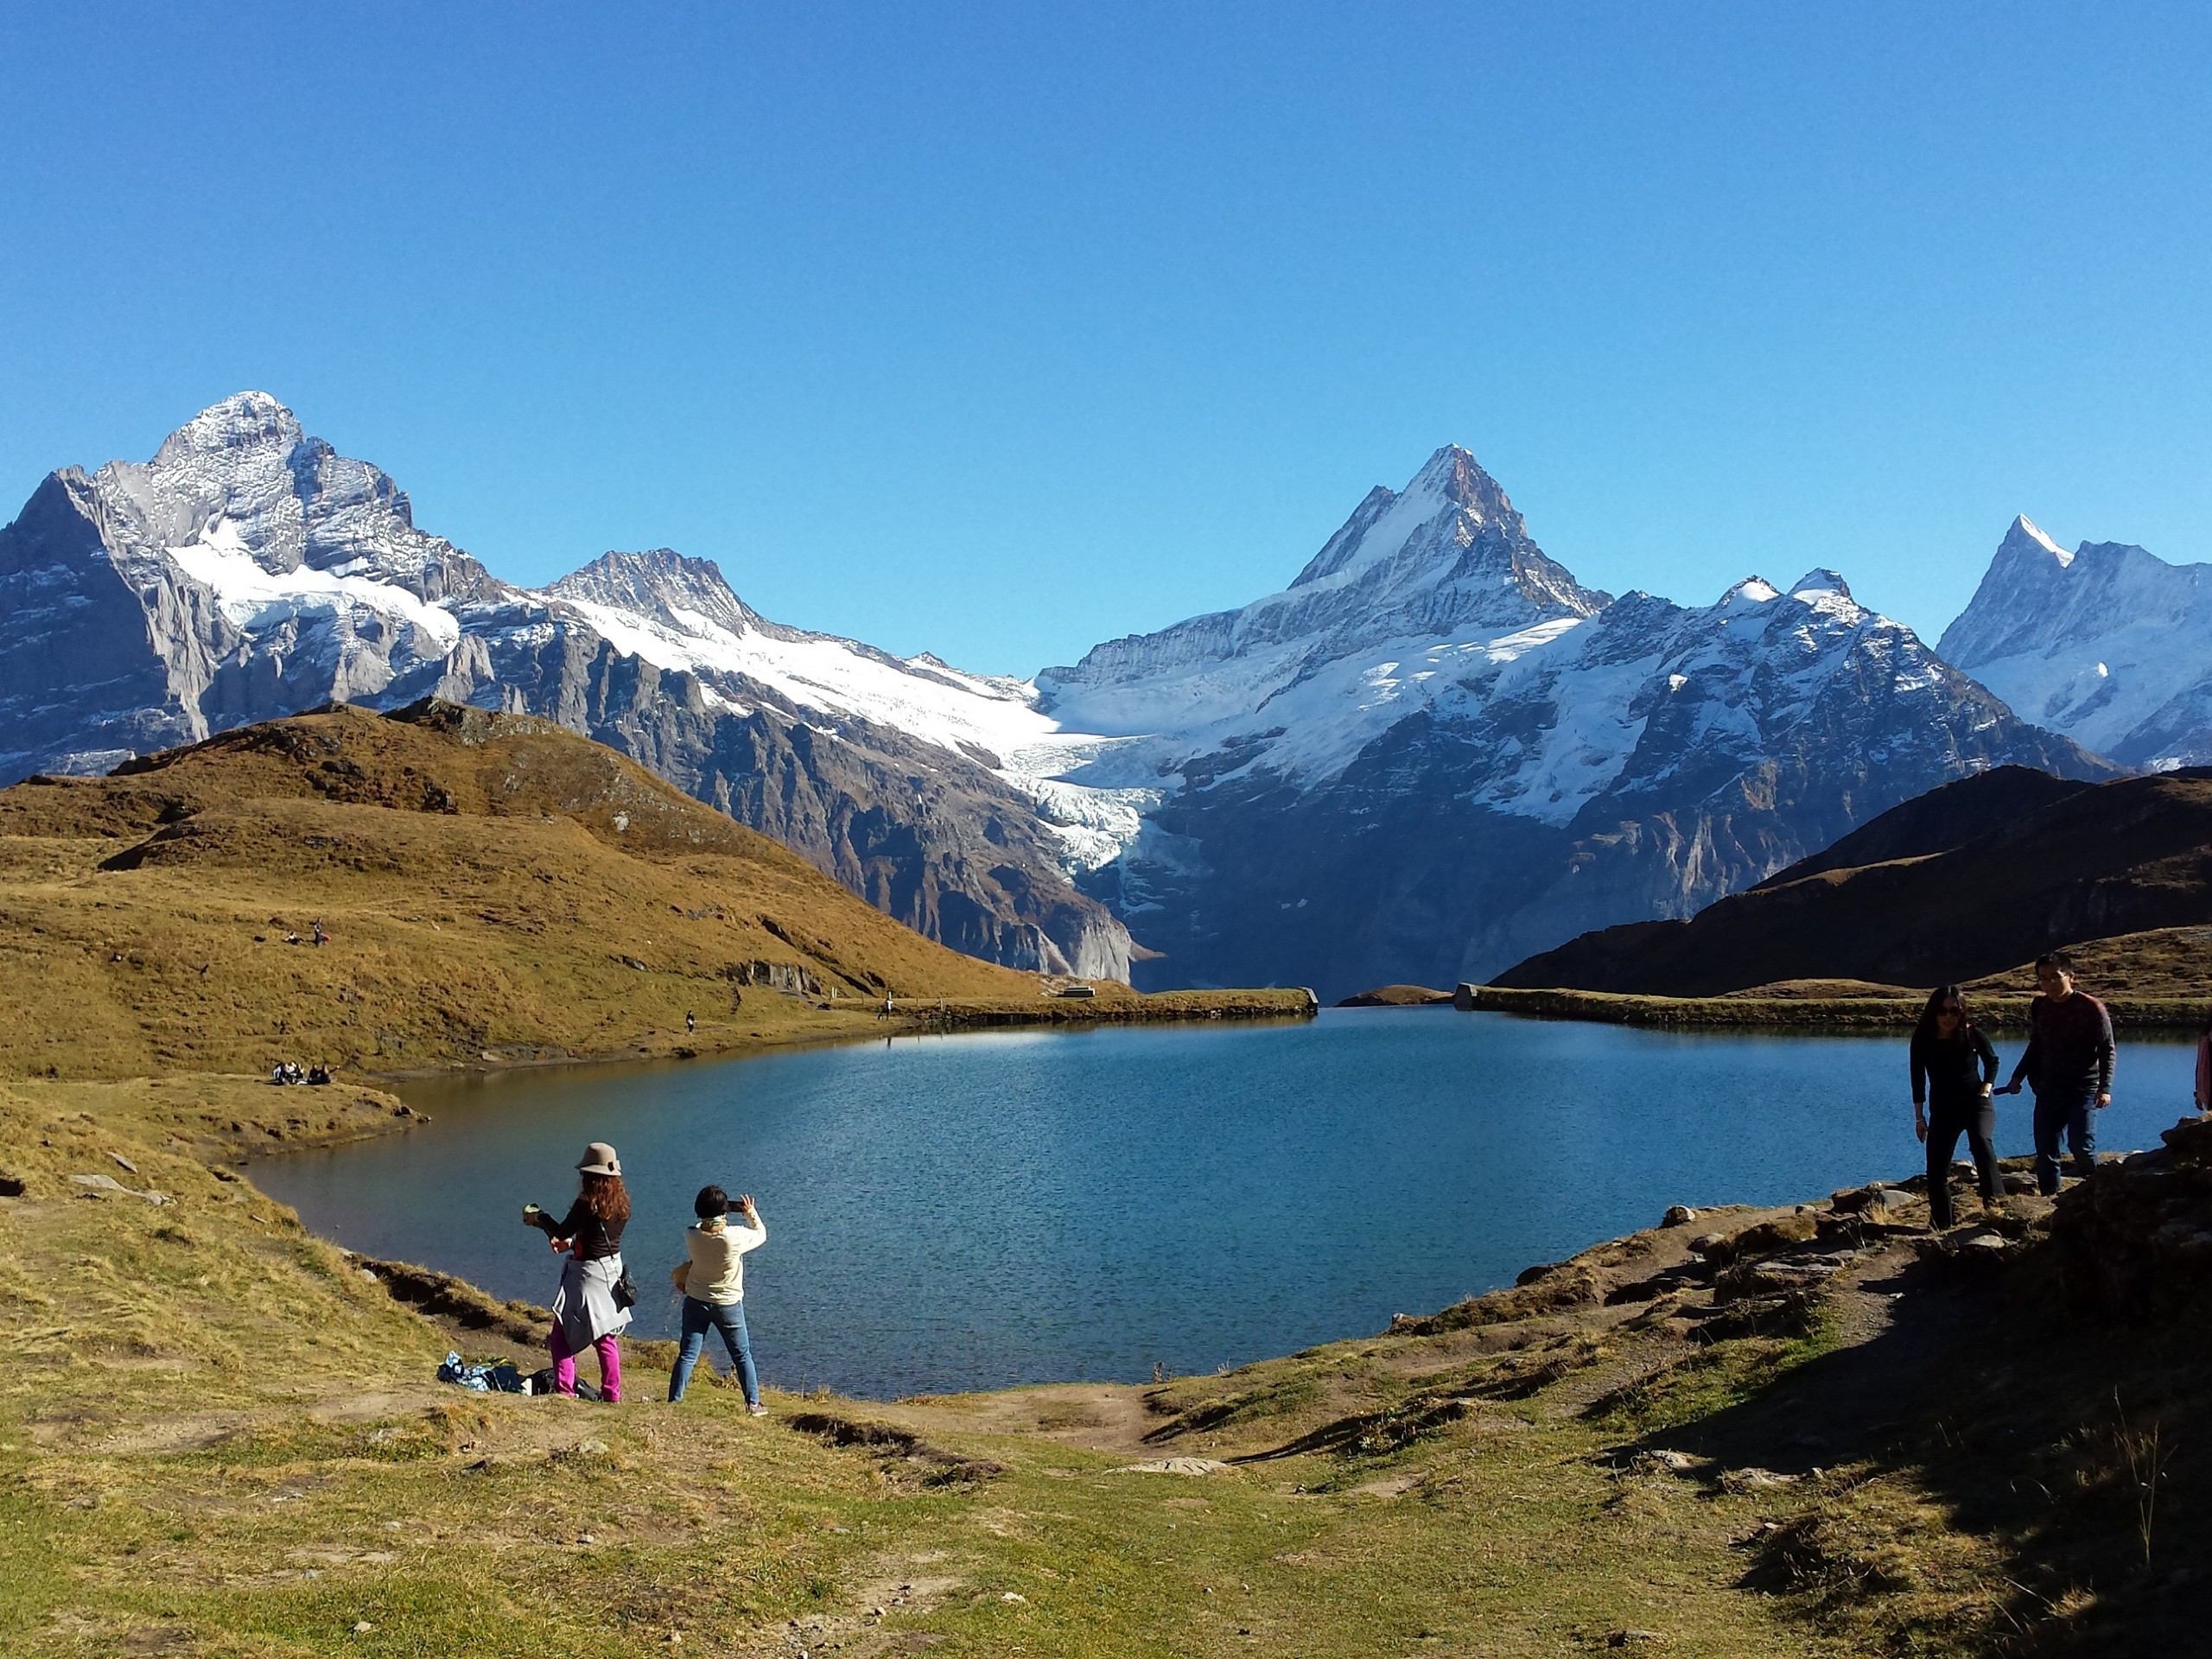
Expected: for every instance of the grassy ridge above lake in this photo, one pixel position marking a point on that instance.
(2160, 980)
(496, 888)
(1964, 883)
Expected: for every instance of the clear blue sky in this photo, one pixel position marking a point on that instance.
(999, 330)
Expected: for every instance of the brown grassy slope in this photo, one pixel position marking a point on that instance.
(2126, 857)
(1944, 817)
(2161, 979)
(490, 882)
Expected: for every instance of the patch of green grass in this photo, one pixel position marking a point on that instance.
(1713, 1379)
(33, 1574)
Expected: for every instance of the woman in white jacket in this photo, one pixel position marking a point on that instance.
(712, 1279)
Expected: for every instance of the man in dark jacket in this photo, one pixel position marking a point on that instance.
(2068, 1065)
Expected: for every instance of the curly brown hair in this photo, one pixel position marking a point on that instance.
(606, 1197)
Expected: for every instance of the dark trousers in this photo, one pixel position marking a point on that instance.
(1977, 1121)
(2074, 1116)
(729, 1320)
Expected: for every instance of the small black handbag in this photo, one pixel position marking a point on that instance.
(625, 1289)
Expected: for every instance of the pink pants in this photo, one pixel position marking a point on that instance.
(564, 1365)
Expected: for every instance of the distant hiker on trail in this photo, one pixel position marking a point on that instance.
(713, 1283)
(884, 1013)
(1952, 1069)
(587, 1310)
(320, 938)
(2068, 1065)
(691, 1023)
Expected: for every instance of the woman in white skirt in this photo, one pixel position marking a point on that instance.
(585, 1312)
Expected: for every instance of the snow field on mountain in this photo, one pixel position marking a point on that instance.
(255, 597)
(833, 676)
(2099, 691)
(2109, 644)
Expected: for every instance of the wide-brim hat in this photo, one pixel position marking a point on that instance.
(599, 1159)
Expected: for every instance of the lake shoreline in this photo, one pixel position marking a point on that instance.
(918, 1018)
(1833, 1015)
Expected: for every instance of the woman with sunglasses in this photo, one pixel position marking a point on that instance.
(1953, 1072)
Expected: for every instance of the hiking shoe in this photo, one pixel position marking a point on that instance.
(757, 1409)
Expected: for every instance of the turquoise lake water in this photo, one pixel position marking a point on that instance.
(979, 1210)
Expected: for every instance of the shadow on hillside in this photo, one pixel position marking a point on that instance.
(2079, 1448)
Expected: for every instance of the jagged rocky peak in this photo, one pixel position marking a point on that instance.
(2035, 594)
(243, 479)
(1450, 481)
(248, 571)
(1451, 528)
(242, 421)
(2109, 644)
(1446, 555)
(665, 585)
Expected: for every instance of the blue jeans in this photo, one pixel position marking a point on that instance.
(2074, 1115)
(730, 1321)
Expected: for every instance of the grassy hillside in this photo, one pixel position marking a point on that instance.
(2160, 980)
(1762, 1433)
(2128, 858)
(495, 887)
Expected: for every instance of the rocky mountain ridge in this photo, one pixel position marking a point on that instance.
(1436, 752)
(248, 571)
(1432, 753)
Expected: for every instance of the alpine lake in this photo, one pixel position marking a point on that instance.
(982, 1211)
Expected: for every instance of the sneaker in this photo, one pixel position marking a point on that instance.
(757, 1409)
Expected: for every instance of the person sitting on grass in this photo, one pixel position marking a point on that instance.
(713, 1283)
(586, 1313)
(1953, 1068)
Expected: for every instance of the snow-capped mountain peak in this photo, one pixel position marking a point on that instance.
(680, 614)
(243, 424)
(243, 476)
(2109, 644)
(1749, 595)
(1446, 558)
(2025, 533)
(1819, 579)
(248, 571)
(1450, 482)
(1432, 753)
